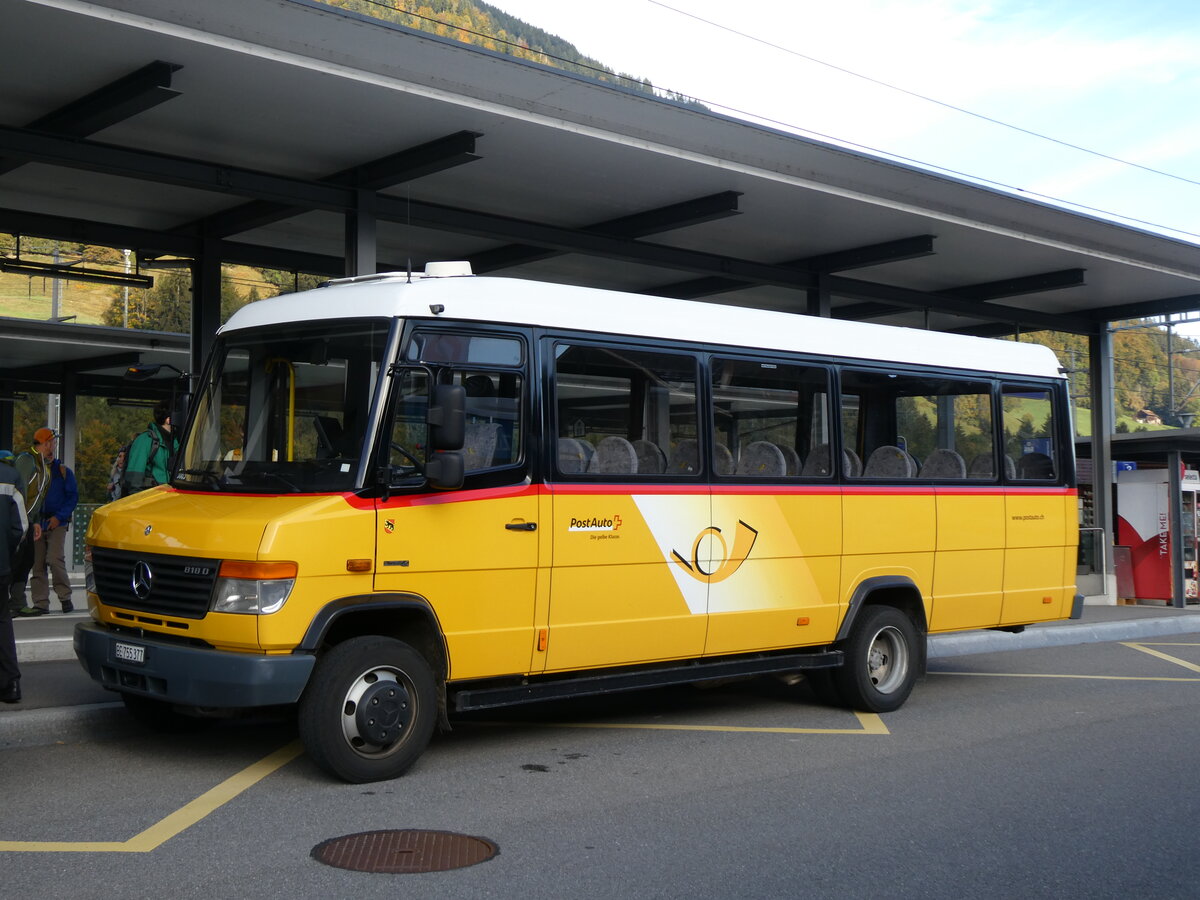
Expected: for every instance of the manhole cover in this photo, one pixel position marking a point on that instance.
(404, 852)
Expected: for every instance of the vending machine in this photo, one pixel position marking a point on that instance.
(1144, 526)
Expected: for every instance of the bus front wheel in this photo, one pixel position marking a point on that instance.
(881, 657)
(369, 709)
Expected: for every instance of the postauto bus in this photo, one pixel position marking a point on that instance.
(403, 496)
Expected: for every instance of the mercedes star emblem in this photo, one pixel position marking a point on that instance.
(142, 581)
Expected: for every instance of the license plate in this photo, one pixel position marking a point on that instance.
(131, 653)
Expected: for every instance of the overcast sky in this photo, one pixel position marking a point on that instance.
(1118, 77)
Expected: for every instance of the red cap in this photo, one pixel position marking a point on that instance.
(44, 434)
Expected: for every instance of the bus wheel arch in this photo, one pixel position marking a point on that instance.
(404, 617)
(883, 639)
(370, 708)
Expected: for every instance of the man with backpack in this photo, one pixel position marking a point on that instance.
(12, 530)
(32, 470)
(59, 498)
(149, 459)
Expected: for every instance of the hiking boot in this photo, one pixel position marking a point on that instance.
(29, 611)
(11, 693)
(68, 606)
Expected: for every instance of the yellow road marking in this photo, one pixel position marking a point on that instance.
(871, 724)
(1143, 646)
(1172, 659)
(161, 832)
(1084, 677)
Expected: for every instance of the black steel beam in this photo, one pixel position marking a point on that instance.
(119, 100)
(869, 255)
(652, 221)
(265, 257)
(415, 162)
(1016, 287)
(396, 168)
(940, 302)
(977, 293)
(83, 231)
(838, 261)
(997, 329)
(55, 371)
(1145, 308)
(164, 169)
(156, 243)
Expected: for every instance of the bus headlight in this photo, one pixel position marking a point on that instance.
(254, 588)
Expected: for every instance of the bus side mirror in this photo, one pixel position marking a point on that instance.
(447, 418)
(445, 470)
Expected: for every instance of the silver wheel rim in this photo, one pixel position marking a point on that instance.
(369, 688)
(887, 660)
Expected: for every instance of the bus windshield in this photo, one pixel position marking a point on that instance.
(285, 409)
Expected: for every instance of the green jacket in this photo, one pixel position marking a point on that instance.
(149, 458)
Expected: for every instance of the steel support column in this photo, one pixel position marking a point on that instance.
(361, 235)
(7, 404)
(67, 419)
(819, 297)
(1100, 363)
(206, 303)
(1175, 508)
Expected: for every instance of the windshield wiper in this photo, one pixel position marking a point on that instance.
(207, 475)
(295, 488)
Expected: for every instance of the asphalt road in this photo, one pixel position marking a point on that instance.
(1059, 772)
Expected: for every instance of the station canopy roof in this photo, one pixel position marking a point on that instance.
(256, 129)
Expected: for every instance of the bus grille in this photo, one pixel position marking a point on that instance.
(154, 582)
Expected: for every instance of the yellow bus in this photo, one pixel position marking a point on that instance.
(400, 496)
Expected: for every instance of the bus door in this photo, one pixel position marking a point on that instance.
(630, 506)
(472, 553)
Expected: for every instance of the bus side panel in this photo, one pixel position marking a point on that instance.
(968, 574)
(888, 531)
(479, 576)
(778, 587)
(1039, 562)
(618, 593)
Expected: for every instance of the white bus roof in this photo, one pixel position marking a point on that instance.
(535, 303)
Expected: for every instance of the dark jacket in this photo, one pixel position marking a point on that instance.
(35, 472)
(12, 519)
(62, 496)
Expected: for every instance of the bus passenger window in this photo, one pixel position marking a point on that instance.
(908, 426)
(1029, 430)
(622, 412)
(771, 419)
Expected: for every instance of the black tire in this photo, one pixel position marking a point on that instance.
(881, 660)
(160, 716)
(369, 709)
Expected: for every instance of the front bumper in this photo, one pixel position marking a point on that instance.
(191, 676)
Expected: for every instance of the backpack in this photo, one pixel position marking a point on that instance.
(21, 558)
(119, 485)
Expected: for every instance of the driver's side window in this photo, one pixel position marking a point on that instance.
(490, 369)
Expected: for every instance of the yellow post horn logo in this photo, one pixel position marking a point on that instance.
(743, 543)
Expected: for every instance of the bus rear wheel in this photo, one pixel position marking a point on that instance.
(369, 709)
(881, 658)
